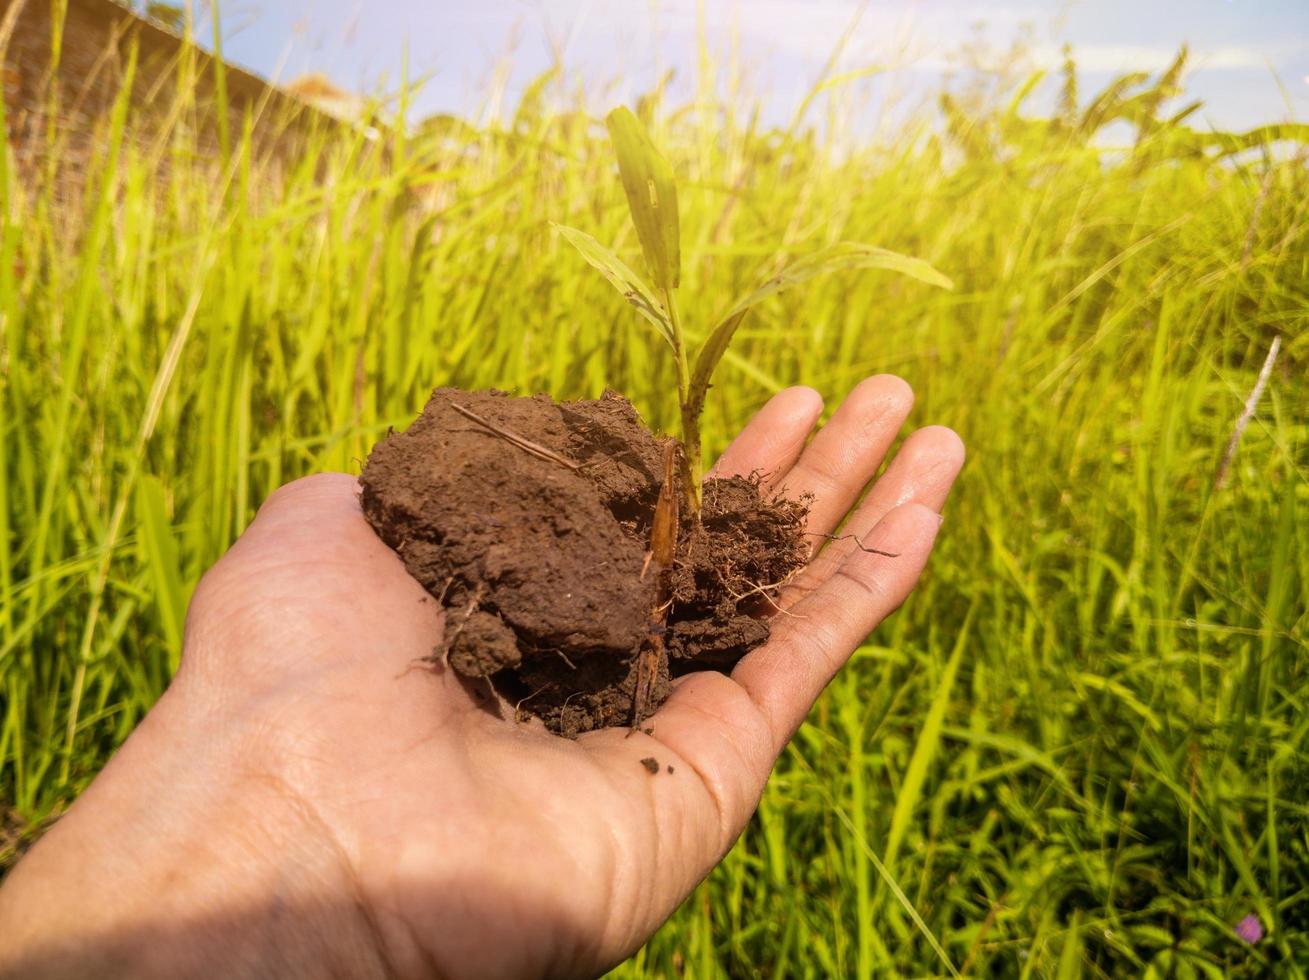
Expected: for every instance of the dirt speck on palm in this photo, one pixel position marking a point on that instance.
(537, 557)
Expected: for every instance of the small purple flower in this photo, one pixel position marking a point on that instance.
(1250, 929)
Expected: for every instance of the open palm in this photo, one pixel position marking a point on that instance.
(355, 806)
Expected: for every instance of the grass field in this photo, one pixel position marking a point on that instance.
(1082, 748)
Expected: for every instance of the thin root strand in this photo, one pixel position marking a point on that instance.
(858, 542)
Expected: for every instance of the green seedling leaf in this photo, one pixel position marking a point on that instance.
(651, 196)
(635, 289)
(834, 258)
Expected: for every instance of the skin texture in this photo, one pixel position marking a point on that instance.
(307, 799)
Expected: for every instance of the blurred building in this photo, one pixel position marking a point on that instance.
(65, 102)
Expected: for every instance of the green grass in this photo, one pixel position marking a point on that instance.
(1082, 745)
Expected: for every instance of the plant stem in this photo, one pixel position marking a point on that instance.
(690, 414)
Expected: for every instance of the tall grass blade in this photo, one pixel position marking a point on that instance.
(159, 553)
(925, 749)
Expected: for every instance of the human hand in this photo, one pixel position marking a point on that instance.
(304, 800)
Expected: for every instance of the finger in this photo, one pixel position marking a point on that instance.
(772, 441)
(315, 522)
(814, 639)
(711, 724)
(847, 451)
(922, 472)
(719, 747)
(728, 731)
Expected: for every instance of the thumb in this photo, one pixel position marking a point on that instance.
(309, 585)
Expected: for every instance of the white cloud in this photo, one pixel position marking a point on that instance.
(919, 34)
(1150, 57)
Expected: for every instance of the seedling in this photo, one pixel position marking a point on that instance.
(521, 558)
(652, 199)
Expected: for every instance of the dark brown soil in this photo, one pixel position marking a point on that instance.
(538, 557)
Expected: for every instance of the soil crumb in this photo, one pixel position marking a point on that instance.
(651, 765)
(529, 520)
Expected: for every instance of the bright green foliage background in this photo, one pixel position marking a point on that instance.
(1082, 745)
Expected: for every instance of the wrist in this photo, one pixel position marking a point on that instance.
(176, 862)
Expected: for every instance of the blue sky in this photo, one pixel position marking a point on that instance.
(1250, 57)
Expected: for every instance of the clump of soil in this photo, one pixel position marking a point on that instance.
(529, 520)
